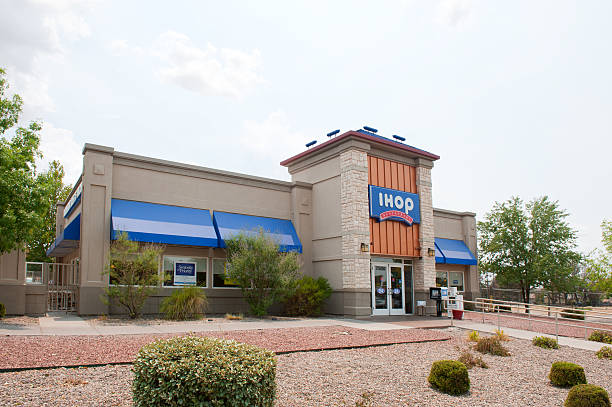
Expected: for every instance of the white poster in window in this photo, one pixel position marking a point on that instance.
(184, 273)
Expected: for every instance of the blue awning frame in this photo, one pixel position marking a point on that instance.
(165, 224)
(450, 251)
(68, 240)
(282, 231)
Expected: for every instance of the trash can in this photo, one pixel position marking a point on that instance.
(457, 314)
(421, 308)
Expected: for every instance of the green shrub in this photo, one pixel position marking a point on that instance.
(601, 336)
(565, 374)
(473, 336)
(305, 297)
(572, 313)
(449, 376)
(492, 345)
(184, 303)
(587, 395)
(2, 310)
(604, 353)
(545, 342)
(190, 371)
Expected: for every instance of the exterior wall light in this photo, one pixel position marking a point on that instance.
(431, 252)
(365, 247)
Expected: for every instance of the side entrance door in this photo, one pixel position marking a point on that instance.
(387, 289)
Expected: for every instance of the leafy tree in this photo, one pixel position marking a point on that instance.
(599, 263)
(53, 191)
(133, 272)
(528, 244)
(27, 199)
(260, 270)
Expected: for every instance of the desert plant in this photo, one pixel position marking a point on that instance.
(234, 317)
(501, 335)
(604, 353)
(545, 342)
(365, 400)
(601, 336)
(492, 345)
(469, 360)
(572, 313)
(191, 371)
(133, 273)
(473, 336)
(566, 374)
(2, 310)
(449, 376)
(305, 296)
(587, 395)
(261, 271)
(184, 303)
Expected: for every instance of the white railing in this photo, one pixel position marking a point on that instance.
(560, 317)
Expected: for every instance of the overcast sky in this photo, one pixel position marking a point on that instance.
(515, 96)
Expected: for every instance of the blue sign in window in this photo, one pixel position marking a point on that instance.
(391, 204)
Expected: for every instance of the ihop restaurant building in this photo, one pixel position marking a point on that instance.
(358, 209)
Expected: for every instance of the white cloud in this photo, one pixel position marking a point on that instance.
(59, 144)
(272, 137)
(122, 48)
(454, 12)
(208, 71)
(32, 32)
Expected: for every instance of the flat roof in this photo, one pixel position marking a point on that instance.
(364, 135)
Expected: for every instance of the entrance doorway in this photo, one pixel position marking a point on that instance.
(388, 289)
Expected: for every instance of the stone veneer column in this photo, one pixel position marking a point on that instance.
(355, 231)
(425, 266)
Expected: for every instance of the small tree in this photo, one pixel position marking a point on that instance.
(528, 244)
(259, 269)
(133, 272)
(599, 263)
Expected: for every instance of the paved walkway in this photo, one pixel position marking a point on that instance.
(68, 324)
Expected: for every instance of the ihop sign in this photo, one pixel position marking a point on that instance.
(391, 204)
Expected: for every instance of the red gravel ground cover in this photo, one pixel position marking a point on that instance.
(17, 352)
(537, 324)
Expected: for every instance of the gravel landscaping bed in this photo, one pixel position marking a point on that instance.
(395, 375)
(49, 351)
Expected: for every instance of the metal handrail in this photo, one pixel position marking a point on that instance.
(526, 305)
(557, 318)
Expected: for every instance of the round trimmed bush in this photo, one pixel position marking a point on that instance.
(545, 342)
(587, 395)
(190, 371)
(565, 374)
(449, 376)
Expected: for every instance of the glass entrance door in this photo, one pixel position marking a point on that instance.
(387, 289)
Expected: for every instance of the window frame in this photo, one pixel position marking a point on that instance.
(447, 272)
(212, 275)
(184, 258)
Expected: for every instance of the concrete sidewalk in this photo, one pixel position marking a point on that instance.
(529, 335)
(68, 324)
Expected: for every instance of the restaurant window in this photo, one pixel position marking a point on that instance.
(201, 269)
(450, 279)
(220, 280)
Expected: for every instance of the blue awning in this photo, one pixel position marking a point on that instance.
(68, 240)
(156, 223)
(282, 231)
(453, 252)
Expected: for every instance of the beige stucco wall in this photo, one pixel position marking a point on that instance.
(459, 226)
(109, 174)
(12, 282)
